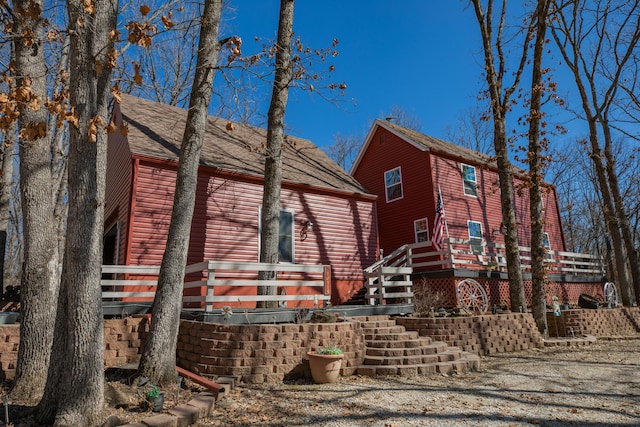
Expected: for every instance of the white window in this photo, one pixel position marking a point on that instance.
(475, 236)
(469, 181)
(421, 230)
(393, 184)
(285, 235)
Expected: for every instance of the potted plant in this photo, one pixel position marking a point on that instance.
(155, 398)
(325, 364)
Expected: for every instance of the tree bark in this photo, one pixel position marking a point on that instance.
(40, 276)
(270, 214)
(158, 360)
(538, 275)
(500, 105)
(73, 394)
(569, 38)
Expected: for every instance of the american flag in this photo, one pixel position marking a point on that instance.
(438, 225)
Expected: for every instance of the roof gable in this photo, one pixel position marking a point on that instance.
(155, 130)
(424, 143)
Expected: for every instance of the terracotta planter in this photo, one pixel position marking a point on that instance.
(325, 368)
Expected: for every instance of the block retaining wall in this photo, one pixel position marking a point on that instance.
(483, 335)
(265, 353)
(271, 353)
(122, 343)
(604, 322)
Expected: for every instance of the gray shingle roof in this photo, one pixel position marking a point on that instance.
(155, 130)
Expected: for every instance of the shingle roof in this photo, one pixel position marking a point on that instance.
(155, 130)
(438, 145)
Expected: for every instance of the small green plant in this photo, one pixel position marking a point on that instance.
(153, 393)
(331, 349)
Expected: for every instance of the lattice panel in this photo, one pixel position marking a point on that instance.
(440, 292)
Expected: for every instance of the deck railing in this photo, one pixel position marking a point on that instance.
(464, 254)
(219, 282)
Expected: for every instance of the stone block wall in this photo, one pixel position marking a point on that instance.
(483, 335)
(122, 341)
(617, 322)
(9, 341)
(264, 353)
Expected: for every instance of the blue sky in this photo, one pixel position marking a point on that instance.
(421, 55)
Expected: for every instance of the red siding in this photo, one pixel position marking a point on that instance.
(422, 174)
(387, 151)
(118, 186)
(225, 223)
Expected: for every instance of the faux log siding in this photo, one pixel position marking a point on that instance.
(225, 223)
(395, 219)
(118, 187)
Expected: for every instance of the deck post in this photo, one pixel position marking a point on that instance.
(211, 277)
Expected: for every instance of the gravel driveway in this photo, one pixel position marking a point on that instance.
(595, 385)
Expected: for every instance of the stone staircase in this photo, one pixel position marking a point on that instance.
(392, 350)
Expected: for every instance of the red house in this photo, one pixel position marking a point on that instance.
(327, 217)
(407, 170)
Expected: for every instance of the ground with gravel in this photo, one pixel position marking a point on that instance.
(595, 385)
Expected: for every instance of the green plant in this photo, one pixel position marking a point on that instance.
(331, 349)
(153, 393)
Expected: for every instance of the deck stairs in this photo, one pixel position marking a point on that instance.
(392, 350)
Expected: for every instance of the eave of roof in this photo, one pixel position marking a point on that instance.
(155, 132)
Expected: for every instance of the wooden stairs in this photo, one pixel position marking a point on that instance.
(392, 350)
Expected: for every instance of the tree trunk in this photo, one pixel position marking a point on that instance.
(158, 360)
(538, 275)
(621, 214)
(6, 187)
(500, 105)
(74, 391)
(270, 214)
(40, 276)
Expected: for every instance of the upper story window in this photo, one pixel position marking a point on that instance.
(393, 184)
(545, 240)
(475, 236)
(421, 230)
(285, 236)
(469, 180)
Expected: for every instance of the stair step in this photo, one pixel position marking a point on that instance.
(411, 370)
(384, 330)
(403, 360)
(392, 336)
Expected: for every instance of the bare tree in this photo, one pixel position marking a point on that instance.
(159, 357)
(496, 67)
(74, 390)
(270, 213)
(472, 129)
(40, 275)
(344, 149)
(537, 145)
(597, 45)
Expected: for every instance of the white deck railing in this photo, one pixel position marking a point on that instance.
(219, 281)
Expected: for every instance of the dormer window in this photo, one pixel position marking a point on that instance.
(469, 181)
(393, 184)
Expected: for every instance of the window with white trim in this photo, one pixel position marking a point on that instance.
(421, 230)
(393, 184)
(285, 235)
(475, 236)
(469, 180)
(545, 240)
